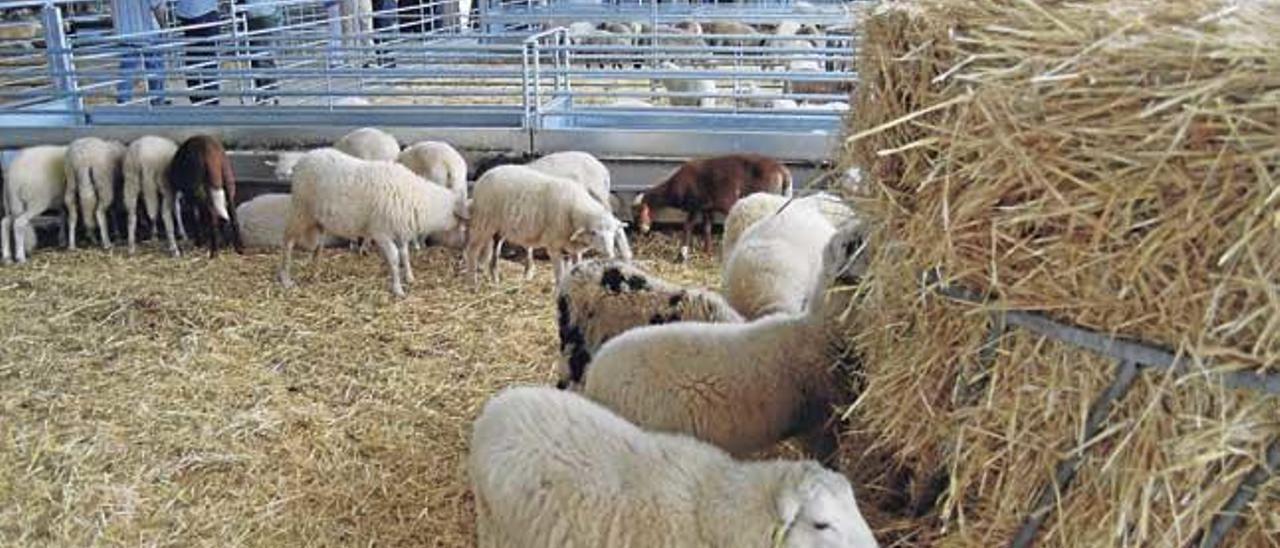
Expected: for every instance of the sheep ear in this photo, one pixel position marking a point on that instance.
(639, 199)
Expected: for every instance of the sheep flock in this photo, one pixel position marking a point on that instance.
(667, 402)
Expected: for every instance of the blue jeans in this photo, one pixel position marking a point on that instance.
(129, 63)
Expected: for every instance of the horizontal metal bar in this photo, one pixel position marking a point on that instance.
(1121, 349)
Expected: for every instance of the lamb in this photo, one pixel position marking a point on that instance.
(599, 299)
(532, 209)
(92, 170)
(773, 267)
(369, 144)
(705, 89)
(146, 170)
(201, 172)
(34, 183)
(742, 387)
(712, 28)
(593, 175)
(549, 468)
(751, 209)
(384, 202)
(706, 186)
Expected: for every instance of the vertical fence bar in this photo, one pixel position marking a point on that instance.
(58, 50)
(1125, 374)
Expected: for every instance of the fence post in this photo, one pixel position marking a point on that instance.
(58, 49)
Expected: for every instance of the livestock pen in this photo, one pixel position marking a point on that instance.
(149, 400)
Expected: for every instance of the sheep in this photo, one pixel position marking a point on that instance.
(92, 170)
(282, 166)
(350, 101)
(702, 87)
(611, 58)
(201, 173)
(437, 162)
(593, 175)
(532, 209)
(713, 28)
(550, 468)
(751, 209)
(629, 102)
(146, 167)
(384, 202)
(742, 387)
(369, 144)
(263, 219)
(35, 182)
(774, 265)
(599, 299)
(706, 186)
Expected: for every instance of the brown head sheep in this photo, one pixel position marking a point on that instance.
(705, 186)
(202, 174)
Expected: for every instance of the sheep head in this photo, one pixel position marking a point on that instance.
(817, 509)
(642, 213)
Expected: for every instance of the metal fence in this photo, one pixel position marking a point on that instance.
(542, 67)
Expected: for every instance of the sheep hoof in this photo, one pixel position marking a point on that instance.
(286, 281)
(133, 251)
(397, 291)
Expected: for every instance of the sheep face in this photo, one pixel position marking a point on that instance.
(845, 259)
(821, 512)
(598, 235)
(642, 214)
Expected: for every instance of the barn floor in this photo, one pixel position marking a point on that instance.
(193, 402)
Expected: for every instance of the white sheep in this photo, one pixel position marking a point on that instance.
(34, 183)
(629, 102)
(750, 209)
(593, 175)
(773, 266)
(369, 144)
(597, 300)
(529, 208)
(282, 166)
(743, 387)
(384, 202)
(264, 218)
(549, 468)
(438, 162)
(686, 85)
(93, 167)
(146, 174)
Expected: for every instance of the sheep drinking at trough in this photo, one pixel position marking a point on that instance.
(777, 261)
(34, 183)
(369, 144)
(549, 468)
(92, 171)
(597, 300)
(384, 202)
(146, 175)
(201, 173)
(743, 387)
(529, 208)
(751, 209)
(706, 186)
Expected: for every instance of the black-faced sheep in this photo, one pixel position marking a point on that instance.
(35, 182)
(597, 300)
(201, 173)
(743, 387)
(549, 468)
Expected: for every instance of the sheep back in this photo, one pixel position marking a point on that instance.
(597, 300)
(439, 163)
(369, 144)
(580, 167)
(530, 208)
(776, 263)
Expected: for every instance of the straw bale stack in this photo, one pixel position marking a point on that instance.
(1112, 165)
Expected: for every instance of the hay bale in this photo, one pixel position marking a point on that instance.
(1112, 165)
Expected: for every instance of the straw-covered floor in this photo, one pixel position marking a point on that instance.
(193, 402)
(1113, 165)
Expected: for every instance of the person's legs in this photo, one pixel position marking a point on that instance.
(260, 49)
(154, 61)
(202, 63)
(130, 56)
(384, 23)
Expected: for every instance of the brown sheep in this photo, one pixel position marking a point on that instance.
(201, 173)
(705, 186)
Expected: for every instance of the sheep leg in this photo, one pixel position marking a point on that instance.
(131, 225)
(6, 226)
(686, 236)
(528, 263)
(73, 217)
(100, 213)
(392, 256)
(624, 247)
(557, 263)
(234, 226)
(20, 235)
(404, 261)
(177, 212)
(286, 262)
(213, 224)
(167, 214)
(706, 232)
